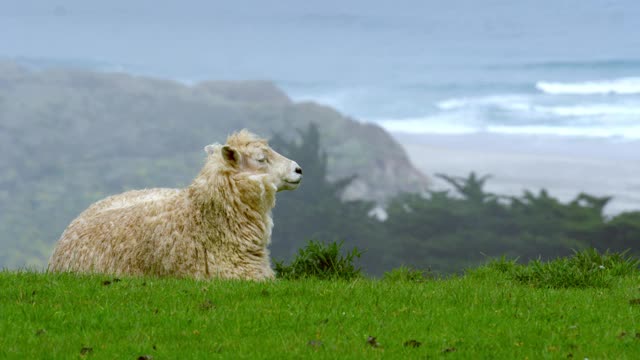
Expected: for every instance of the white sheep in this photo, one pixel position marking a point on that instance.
(218, 227)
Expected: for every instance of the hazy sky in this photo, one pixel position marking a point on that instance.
(267, 39)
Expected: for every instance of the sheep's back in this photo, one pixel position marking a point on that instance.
(120, 234)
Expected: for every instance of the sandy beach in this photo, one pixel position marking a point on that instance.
(564, 166)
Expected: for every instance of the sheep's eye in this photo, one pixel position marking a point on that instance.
(262, 160)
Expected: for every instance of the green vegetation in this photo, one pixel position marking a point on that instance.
(321, 261)
(587, 268)
(487, 313)
(407, 274)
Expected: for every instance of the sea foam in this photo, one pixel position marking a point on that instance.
(507, 101)
(623, 86)
(430, 124)
(618, 111)
(435, 125)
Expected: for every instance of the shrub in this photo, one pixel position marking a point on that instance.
(501, 267)
(616, 263)
(407, 274)
(322, 261)
(502, 264)
(587, 268)
(561, 273)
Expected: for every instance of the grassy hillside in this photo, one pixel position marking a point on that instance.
(484, 314)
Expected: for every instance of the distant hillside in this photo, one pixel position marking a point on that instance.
(70, 137)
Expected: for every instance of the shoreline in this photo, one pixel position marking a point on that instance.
(563, 166)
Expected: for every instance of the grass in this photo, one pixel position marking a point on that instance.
(486, 314)
(587, 268)
(321, 260)
(407, 274)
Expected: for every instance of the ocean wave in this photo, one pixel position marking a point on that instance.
(529, 106)
(606, 65)
(501, 112)
(593, 110)
(440, 125)
(626, 132)
(623, 86)
(508, 102)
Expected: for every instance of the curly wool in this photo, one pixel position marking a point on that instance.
(218, 227)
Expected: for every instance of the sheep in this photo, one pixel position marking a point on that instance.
(217, 227)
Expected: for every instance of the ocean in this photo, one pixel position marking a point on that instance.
(568, 68)
(598, 104)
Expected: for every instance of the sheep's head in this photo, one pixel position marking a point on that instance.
(250, 155)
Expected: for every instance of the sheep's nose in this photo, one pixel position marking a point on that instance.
(298, 170)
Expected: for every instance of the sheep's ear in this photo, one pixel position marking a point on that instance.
(230, 154)
(210, 149)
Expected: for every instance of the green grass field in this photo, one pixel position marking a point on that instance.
(483, 315)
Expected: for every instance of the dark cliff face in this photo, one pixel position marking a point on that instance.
(59, 118)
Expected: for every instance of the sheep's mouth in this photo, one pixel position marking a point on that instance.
(293, 182)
